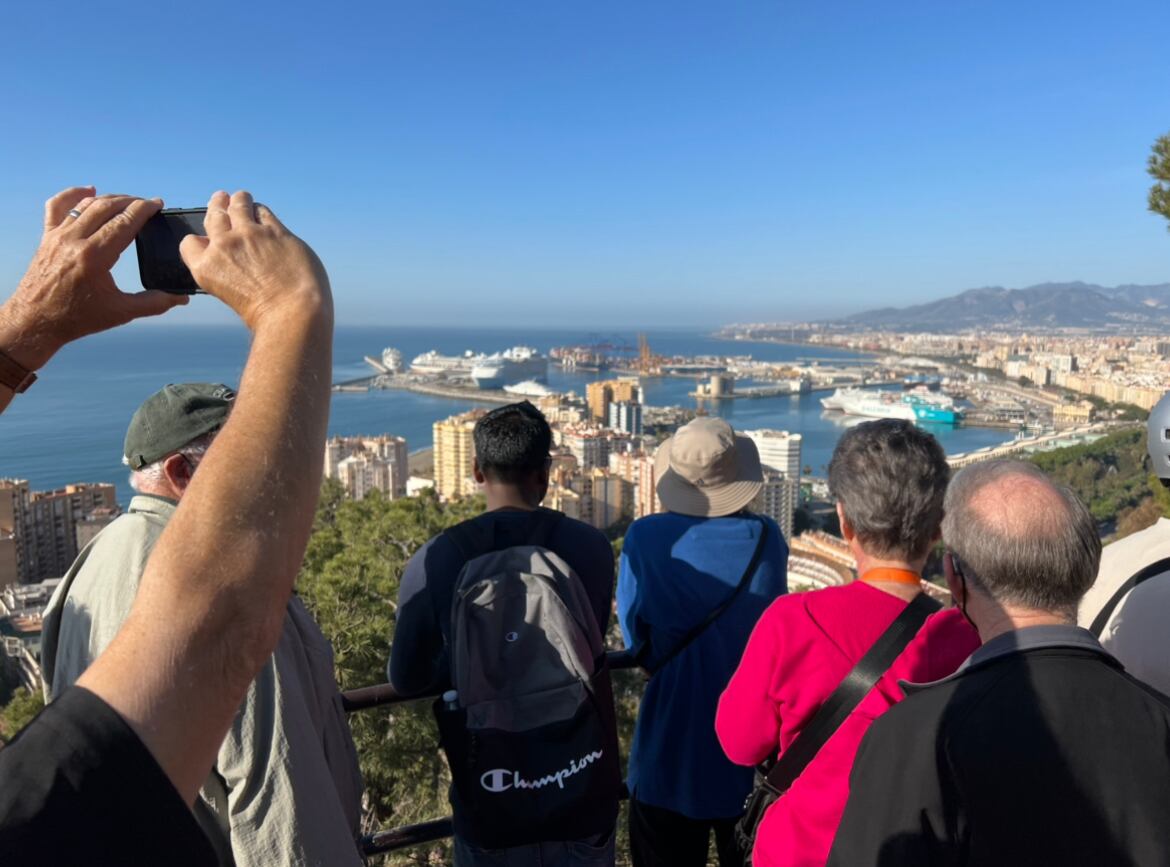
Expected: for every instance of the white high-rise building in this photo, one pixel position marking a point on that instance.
(778, 449)
(780, 455)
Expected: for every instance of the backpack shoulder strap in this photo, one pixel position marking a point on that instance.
(849, 693)
(712, 615)
(1102, 618)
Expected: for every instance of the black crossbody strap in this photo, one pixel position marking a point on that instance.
(1102, 619)
(850, 692)
(715, 613)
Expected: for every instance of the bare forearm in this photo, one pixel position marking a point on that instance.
(256, 489)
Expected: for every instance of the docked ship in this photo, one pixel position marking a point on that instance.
(511, 366)
(435, 363)
(392, 360)
(917, 406)
(529, 388)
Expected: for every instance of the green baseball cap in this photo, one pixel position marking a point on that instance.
(172, 417)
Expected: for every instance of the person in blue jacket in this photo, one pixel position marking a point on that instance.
(677, 569)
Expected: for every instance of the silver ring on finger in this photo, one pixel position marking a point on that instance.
(74, 213)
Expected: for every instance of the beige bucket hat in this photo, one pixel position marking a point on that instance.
(706, 470)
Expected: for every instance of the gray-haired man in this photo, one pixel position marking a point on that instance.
(1040, 749)
(286, 787)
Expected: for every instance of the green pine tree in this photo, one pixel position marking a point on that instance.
(1159, 169)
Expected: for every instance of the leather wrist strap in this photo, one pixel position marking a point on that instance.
(15, 376)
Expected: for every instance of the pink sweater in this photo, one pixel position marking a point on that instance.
(800, 650)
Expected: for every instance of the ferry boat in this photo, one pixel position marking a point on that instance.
(433, 362)
(917, 406)
(513, 365)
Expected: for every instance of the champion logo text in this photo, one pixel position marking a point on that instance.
(500, 780)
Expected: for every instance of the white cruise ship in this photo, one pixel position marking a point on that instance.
(392, 360)
(513, 365)
(434, 362)
(916, 407)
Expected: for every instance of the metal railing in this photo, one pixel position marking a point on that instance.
(384, 694)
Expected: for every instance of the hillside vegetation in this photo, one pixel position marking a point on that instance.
(1112, 476)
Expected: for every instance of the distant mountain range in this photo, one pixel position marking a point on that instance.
(1048, 305)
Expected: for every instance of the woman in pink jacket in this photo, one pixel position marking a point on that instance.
(889, 479)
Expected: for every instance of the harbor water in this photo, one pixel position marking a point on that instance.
(70, 425)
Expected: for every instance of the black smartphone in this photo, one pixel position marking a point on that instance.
(159, 264)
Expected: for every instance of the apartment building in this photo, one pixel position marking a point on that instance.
(625, 416)
(51, 546)
(780, 455)
(637, 468)
(599, 396)
(589, 445)
(454, 455)
(596, 496)
(14, 500)
(778, 449)
(365, 464)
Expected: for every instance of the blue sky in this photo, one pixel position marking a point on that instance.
(635, 164)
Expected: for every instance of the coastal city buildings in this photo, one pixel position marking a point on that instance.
(599, 396)
(780, 456)
(41, 533)
(778, 499)
(454, 453)
(637, 468)
(591, 446)
(51, 543)
(38, 529)
(625, 416)
(1117, 368)
(14, 500)
(21, 615)
(364, 464)
(562, 409)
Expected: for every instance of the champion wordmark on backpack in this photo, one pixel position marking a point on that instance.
(532, 743)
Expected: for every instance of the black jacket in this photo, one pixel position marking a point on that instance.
(1048, 754)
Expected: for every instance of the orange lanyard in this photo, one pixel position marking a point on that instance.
(893, 576)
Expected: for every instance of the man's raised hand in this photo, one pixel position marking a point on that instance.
(252, 263)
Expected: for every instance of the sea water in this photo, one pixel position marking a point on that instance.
(69, 427)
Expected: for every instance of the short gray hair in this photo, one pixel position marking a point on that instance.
(153, 473)
(1021, 538)
(890, 479)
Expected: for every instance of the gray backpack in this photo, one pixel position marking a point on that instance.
(532, 736)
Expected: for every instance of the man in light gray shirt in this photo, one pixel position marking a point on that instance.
(286, 787)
